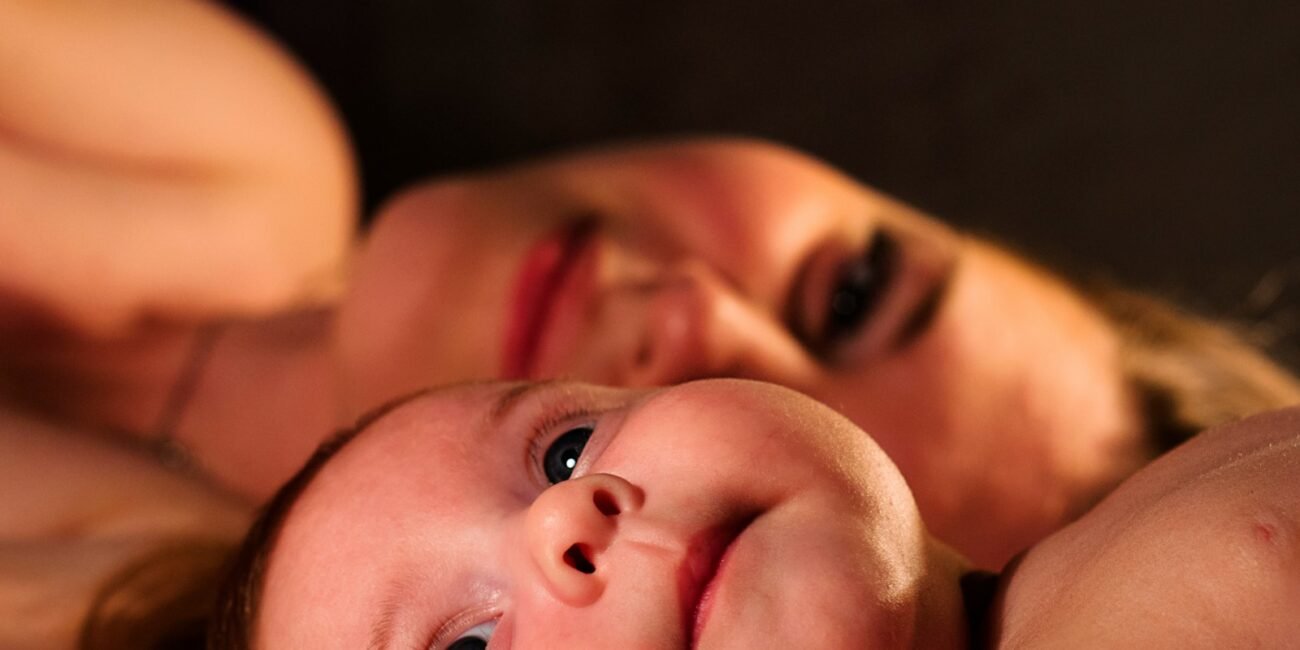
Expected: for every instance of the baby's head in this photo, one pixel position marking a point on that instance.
(730, 513)
(718, 513)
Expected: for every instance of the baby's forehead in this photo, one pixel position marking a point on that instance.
(444, 415)
(431, 451)
(436, 454)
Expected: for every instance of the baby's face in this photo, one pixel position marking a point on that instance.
(713, 514)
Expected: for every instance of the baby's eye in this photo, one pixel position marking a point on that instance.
(475, 638)
(563, 454)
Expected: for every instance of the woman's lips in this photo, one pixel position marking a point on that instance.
(700, 574)
(540, 279)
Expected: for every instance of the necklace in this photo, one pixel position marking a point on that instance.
(166, 446)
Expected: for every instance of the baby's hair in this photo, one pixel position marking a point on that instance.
(234, 620)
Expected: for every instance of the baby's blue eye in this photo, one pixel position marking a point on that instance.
(562, 456)
(475, 638)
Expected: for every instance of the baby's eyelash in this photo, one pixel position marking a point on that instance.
(557, 414)
(447, 631)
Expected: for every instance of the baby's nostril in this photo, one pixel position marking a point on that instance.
(576, 558)
(605, 503)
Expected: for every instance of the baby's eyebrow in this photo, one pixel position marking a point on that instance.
(511, 398)
(385, 627)
(399, 592)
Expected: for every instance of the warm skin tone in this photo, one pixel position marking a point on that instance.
(437, 520)
(75, 510)
(994, 388)
(709, 258)
(161, 163)
(992, 385)
(136, 187)
(1005, 409)
(1201, 549)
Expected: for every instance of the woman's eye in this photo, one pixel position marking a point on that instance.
(562, 456)
(858, 288)
(476, 638)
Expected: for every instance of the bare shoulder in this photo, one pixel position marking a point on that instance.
(1202, 545)
(163, 158)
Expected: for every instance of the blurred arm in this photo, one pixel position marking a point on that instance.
(162, 158)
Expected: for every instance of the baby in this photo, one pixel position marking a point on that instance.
(727, 513)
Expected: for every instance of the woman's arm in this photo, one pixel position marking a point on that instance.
(162, 159)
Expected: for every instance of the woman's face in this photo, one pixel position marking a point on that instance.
(714, 514)
(994, 388)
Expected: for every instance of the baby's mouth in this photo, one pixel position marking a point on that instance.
(700, 574)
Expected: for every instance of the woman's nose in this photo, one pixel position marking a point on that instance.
(570, 527)
(699, 325)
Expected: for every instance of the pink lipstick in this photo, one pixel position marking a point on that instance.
(540, 278)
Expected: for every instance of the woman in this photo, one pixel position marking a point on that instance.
(1010, 401)
(139, 201)
(173, 275)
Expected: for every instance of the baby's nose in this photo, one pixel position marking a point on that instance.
(569, 528)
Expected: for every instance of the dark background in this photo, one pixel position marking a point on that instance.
(1154, 143)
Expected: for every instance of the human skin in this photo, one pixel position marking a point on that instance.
(715, 514)
(991, 384)
(161, 160)
(995, 388)
(78, 508)
(1201, 549)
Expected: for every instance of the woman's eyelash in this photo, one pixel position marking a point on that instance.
(856, 288)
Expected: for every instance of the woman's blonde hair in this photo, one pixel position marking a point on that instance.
(1190, 372)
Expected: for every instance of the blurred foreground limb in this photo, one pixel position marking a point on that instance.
(159, 159)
